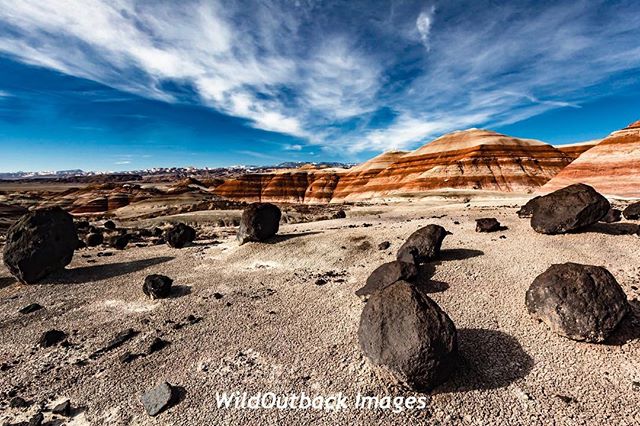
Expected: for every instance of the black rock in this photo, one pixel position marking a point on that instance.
(384, 245)
(526, 211)
(387, 274)
(82, 225)
(613, 215)
(179, 235)
(259, 222)
(36, 420)
(94, 239)
(632, 212)
(120, 242)
(80, 244)
(157, 286)
(62, 409)
(157, 232)
(158, 399)
(489, 224)
(568, 209)
(30, 308)
(581, 302)
(157, 344)
(18, 402)
(120, 339)
(423, 245)
(41, 242)
(340, 214)
(218, 295)
(109, 225)
(51, 338)
(406, 333)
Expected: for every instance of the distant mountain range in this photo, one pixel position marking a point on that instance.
(177, 171)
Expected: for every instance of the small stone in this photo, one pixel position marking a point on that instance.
(614, 215)
(423, 245)
(30, 308)
(218, 295)
(321, 281)
(632, 212)
(51, 338)
(120, 242)
(109, 225)
(18, 402)
(384, 245)
(157, 286)
(488, 224)
(36, 420)
(62, 409)
(158, 399)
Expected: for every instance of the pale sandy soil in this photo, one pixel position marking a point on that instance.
(276, 330)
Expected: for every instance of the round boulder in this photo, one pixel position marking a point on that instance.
(40, 243)
(422, 245)
(179, 235)
(94, 239)
(614, 215)
(405, 333)
(488, 224)
(632, 212)
(568, 209)
(157, 286)
(581, 302)
(259, 222)
(387, 274)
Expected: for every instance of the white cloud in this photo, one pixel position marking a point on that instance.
(424, 23)
(295, 71)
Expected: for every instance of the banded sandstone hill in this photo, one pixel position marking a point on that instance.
(612, 167)
(464, 160)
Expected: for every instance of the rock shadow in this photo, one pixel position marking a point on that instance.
(629, 327)
(278, 238)
(424, 281)
(6, 281)
(87, 274)
(488, 359)
(612, 228)
(458, 254)
(178, 291)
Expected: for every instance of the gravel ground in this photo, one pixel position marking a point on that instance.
(275, 330)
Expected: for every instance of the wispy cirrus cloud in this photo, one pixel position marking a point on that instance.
(324, 72)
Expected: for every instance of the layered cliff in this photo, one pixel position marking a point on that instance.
(464, 160)
(612, 167)
(473, 159)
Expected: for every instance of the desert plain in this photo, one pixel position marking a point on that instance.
(282, 316)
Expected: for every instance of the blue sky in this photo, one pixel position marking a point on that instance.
(125, 84)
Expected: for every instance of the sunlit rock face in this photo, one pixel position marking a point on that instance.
(467, 160)
(297, 186)
(612, 167)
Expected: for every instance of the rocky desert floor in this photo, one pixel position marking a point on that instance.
(283, 317)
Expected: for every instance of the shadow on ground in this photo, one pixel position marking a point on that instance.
(284, 237)
(488, 359)
(629, 328)
(612, 229)
(87, 274)
(459, 254)
(6, 281)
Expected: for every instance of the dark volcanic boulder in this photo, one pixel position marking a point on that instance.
(51, 338)
(387, 274)
(94, 239)
(581, 302)
(120, 242)
(526, 211)
(406, 333)
(259, 222)
(109, 225)
(568, 209)
(422, 245)
(488, 224)
(613, 215)
(340, 214)
(157, 286)
(40, 243)
(632, 212)
(179, 235)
